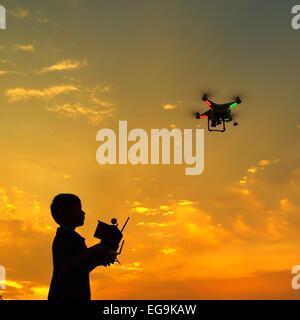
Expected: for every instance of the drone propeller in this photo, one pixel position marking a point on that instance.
(238, 98)
(240, 95)
(191, 114)
(194, 114)
(205, 91)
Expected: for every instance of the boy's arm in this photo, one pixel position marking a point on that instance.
(100, 256)
(89, 259)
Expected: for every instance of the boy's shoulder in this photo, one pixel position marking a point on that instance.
(67, 243)
(67, 234)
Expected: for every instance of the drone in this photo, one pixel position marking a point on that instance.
(218, 114)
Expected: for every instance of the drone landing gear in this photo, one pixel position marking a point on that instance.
(213, 125)
(234, 122)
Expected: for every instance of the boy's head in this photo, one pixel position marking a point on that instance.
(66, 210)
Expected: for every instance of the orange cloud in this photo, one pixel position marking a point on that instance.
(64, 65)
(17, 94)
(20, 12)
(24, 47)
(94, 115)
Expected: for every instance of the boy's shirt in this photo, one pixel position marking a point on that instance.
(73, 284)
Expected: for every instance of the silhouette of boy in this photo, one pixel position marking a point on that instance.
(72, 260)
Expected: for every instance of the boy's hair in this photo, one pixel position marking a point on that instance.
(61, 204)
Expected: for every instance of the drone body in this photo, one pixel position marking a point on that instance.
(218, 114)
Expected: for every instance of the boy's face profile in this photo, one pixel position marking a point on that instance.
(75, 216)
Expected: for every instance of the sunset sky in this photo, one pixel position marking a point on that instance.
(69, 68)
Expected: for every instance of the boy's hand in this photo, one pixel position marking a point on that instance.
(102, 255)
(110, 258)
